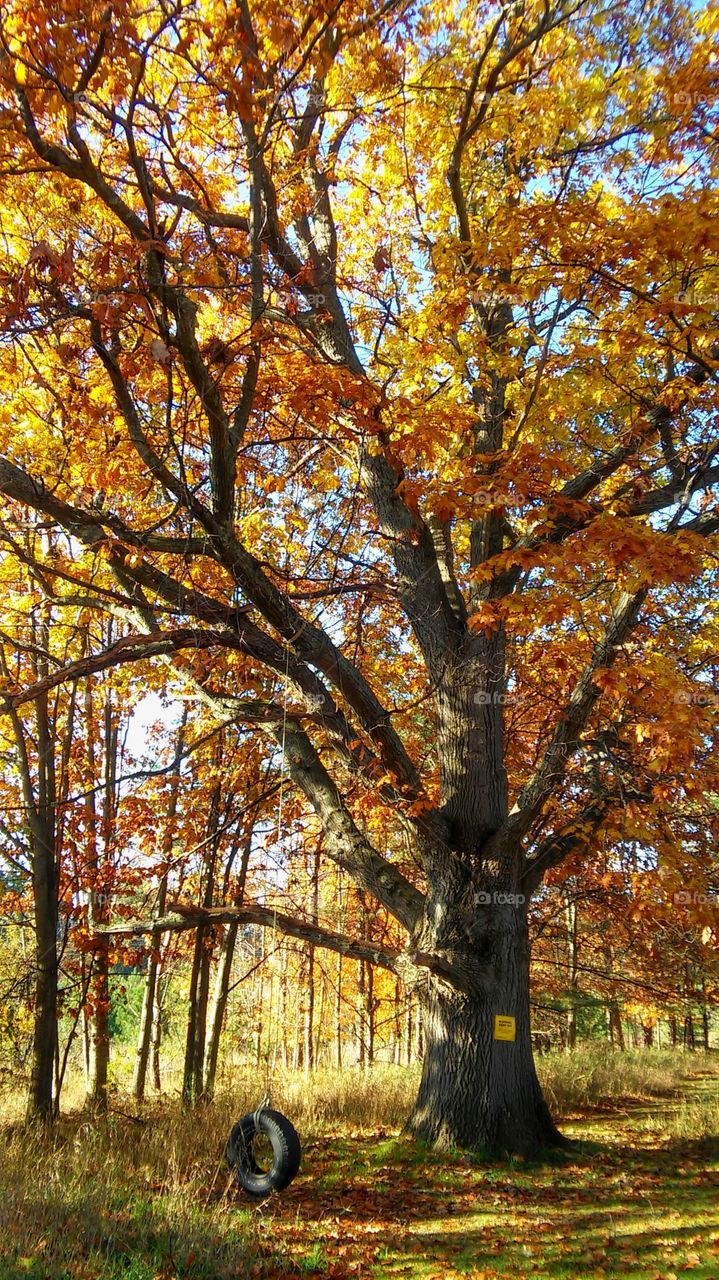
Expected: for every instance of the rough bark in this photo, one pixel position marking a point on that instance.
(477, 1091)
(45, 1042)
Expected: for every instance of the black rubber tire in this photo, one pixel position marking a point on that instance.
(286, 1152)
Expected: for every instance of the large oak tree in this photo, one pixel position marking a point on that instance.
(366, 353)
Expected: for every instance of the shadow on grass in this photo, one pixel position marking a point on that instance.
(379, 1206)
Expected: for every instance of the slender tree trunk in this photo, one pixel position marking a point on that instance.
(224, 971)
(142, 1056)
(370, 1010)
(45, 1041)
(218, 1006)
(338, 1014)
(572, 937)
(705, 1017)
(361, 1006)
(195, 1037)
(144, 1038)
(309, 1027)
(319, 1041)
(156, 1037)
(98, 866)
(397, 1029)
(85, 1021)
(616, 1030)
(310, 953)
(42, 844)
(193, 1073)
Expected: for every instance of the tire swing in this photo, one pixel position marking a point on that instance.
(286, 1151)
(272, 1126)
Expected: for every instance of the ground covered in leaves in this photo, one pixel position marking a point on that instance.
(637, 1197)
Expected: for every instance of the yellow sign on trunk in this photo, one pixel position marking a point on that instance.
(504, 1027)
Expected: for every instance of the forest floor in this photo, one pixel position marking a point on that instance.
(132, 1199)
(630, 1201)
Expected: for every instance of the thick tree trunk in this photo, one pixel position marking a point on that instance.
(476, 1090)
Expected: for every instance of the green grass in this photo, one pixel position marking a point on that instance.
(637, 1197)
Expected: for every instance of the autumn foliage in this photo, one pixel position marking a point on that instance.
(358, 373)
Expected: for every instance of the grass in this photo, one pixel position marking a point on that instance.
(596, 1075)
(114, 1199)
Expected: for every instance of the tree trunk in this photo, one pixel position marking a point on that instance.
(572, 937)
(145, 1033)
(616, 1030)
(309, 1026)
(478, 1091)
(156, 1038)
(142, 1056)
(224, 969)
(192, 1081)
(219, 1006)
(43, 835)
(361, 1042)
(45, 1043)
(97, 871)
(338, 1015)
